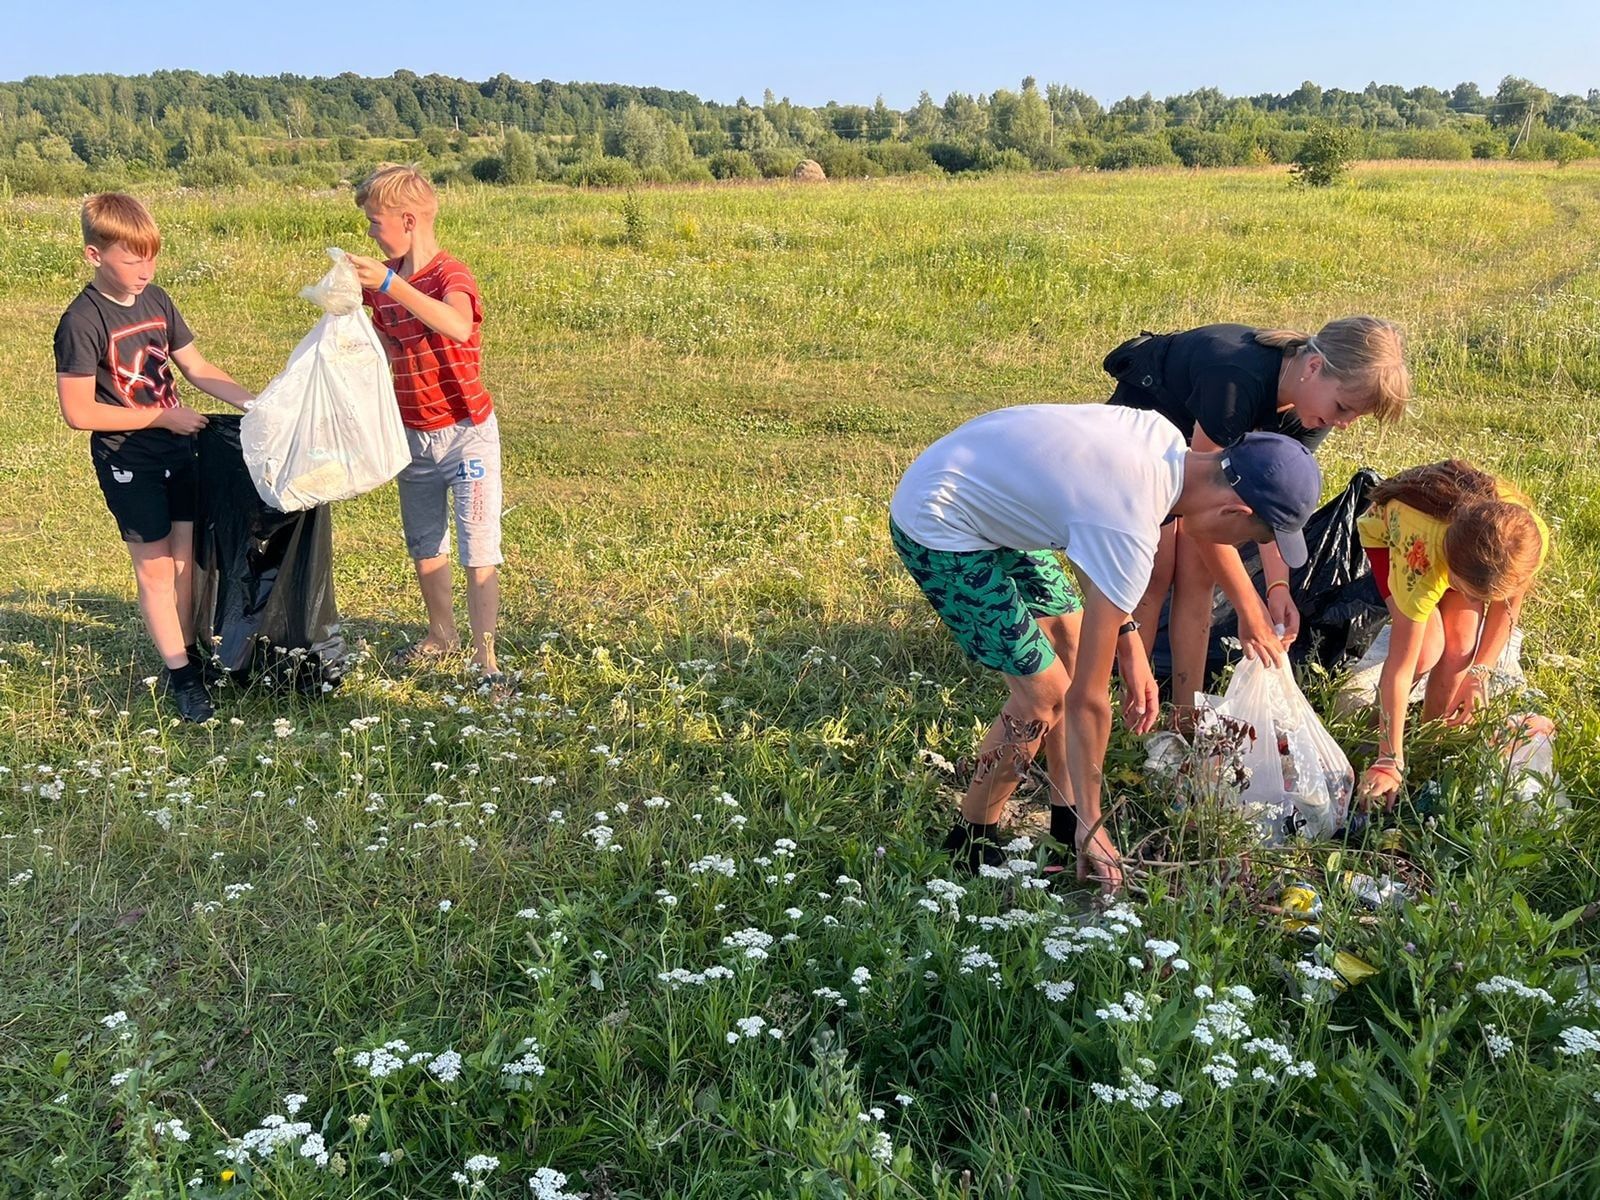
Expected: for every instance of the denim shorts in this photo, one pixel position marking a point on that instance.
(454, 469)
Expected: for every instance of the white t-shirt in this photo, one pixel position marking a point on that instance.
(1093, 480)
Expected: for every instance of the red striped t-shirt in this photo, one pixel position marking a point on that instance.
(436, 378)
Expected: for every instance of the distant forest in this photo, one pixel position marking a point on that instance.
(75, 133)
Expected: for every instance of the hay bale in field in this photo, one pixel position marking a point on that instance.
(808, 170)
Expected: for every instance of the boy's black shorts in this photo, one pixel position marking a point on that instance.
(147, 500)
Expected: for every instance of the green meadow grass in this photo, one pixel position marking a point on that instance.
(703, 422)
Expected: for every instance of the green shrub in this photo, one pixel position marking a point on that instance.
(1323, 158)
(1433, 143)
(776, 163)
(1145, 151)
(600, 171)
(898, 158)
(953, 156)
(220, 168)
(734, 164)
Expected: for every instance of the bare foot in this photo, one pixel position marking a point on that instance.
(426, 651)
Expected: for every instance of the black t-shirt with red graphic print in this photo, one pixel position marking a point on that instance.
(128, 349)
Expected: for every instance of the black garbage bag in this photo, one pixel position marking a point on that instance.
(1340, 609)
(263, 579)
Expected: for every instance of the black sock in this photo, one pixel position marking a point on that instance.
(184, 675)
(1064, 823)
(193, 652)
(971, 843)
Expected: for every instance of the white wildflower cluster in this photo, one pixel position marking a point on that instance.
(1498, 1043)
(751, 1027)
(828, 993)
(860, 977)
(1015, 918)
(754, 942)
(115, 1020)
(881, 1151)
(476, 1168)
(1131, 1011)
(1117, 923)
(1576, 1040)
(714, 864)
(383, 1061)
(1225, 1018)
(1056, 990)
(446, 1067)
(294, 1102)
(1223, 1069)
(21, 877)
(1315, 971)
(529, 1063)
(171, 1130)
(548, 1184)
(658, 802)
(275, 1133)
(603, 838)
(976, 958)
(678, 977)
(1136, 1091)
(1161, 950)
(943, 894)
(1504, 985)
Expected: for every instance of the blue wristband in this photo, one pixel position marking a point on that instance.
(388, 278)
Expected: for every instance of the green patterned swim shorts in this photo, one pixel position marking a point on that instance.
(989, 598)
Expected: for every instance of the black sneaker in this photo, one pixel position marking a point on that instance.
(189, 696)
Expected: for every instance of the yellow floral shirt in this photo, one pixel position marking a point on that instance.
(1418, 576)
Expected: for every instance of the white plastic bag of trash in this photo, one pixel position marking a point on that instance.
(327, 427)
(1300, 781)
(1527, 740)
(1359, 689)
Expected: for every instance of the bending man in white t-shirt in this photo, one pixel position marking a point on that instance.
(977, 520)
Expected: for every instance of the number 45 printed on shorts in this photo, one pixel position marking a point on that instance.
(470, 469)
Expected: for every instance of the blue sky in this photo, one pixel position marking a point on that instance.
(828, 50)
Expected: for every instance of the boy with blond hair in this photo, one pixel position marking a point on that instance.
(426, 307)
(114, 350)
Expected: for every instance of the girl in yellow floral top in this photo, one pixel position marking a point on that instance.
(1454, 551)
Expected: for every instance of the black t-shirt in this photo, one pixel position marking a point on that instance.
(1219, 377)
(128, 349)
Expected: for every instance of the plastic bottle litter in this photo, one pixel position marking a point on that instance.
(1300, 904)
(1375, 893)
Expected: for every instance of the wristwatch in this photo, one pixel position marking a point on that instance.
(1129, 626)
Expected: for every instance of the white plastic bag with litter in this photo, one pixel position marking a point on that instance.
(1300, 781)
(327, 427)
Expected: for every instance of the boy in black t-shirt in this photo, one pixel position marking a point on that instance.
(115, 346)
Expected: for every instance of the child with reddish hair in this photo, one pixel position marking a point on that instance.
(1454, 551)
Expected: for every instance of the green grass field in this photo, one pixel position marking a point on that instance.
(704, 416)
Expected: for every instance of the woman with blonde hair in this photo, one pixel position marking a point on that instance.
(1217, 383)
(1454, 551)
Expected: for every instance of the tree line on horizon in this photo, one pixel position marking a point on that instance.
(71, 133)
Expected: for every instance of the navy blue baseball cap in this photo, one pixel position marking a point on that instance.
(1281, 482)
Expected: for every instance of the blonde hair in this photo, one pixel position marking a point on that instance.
(393, 188)
(112, 217)
(1366, 356)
